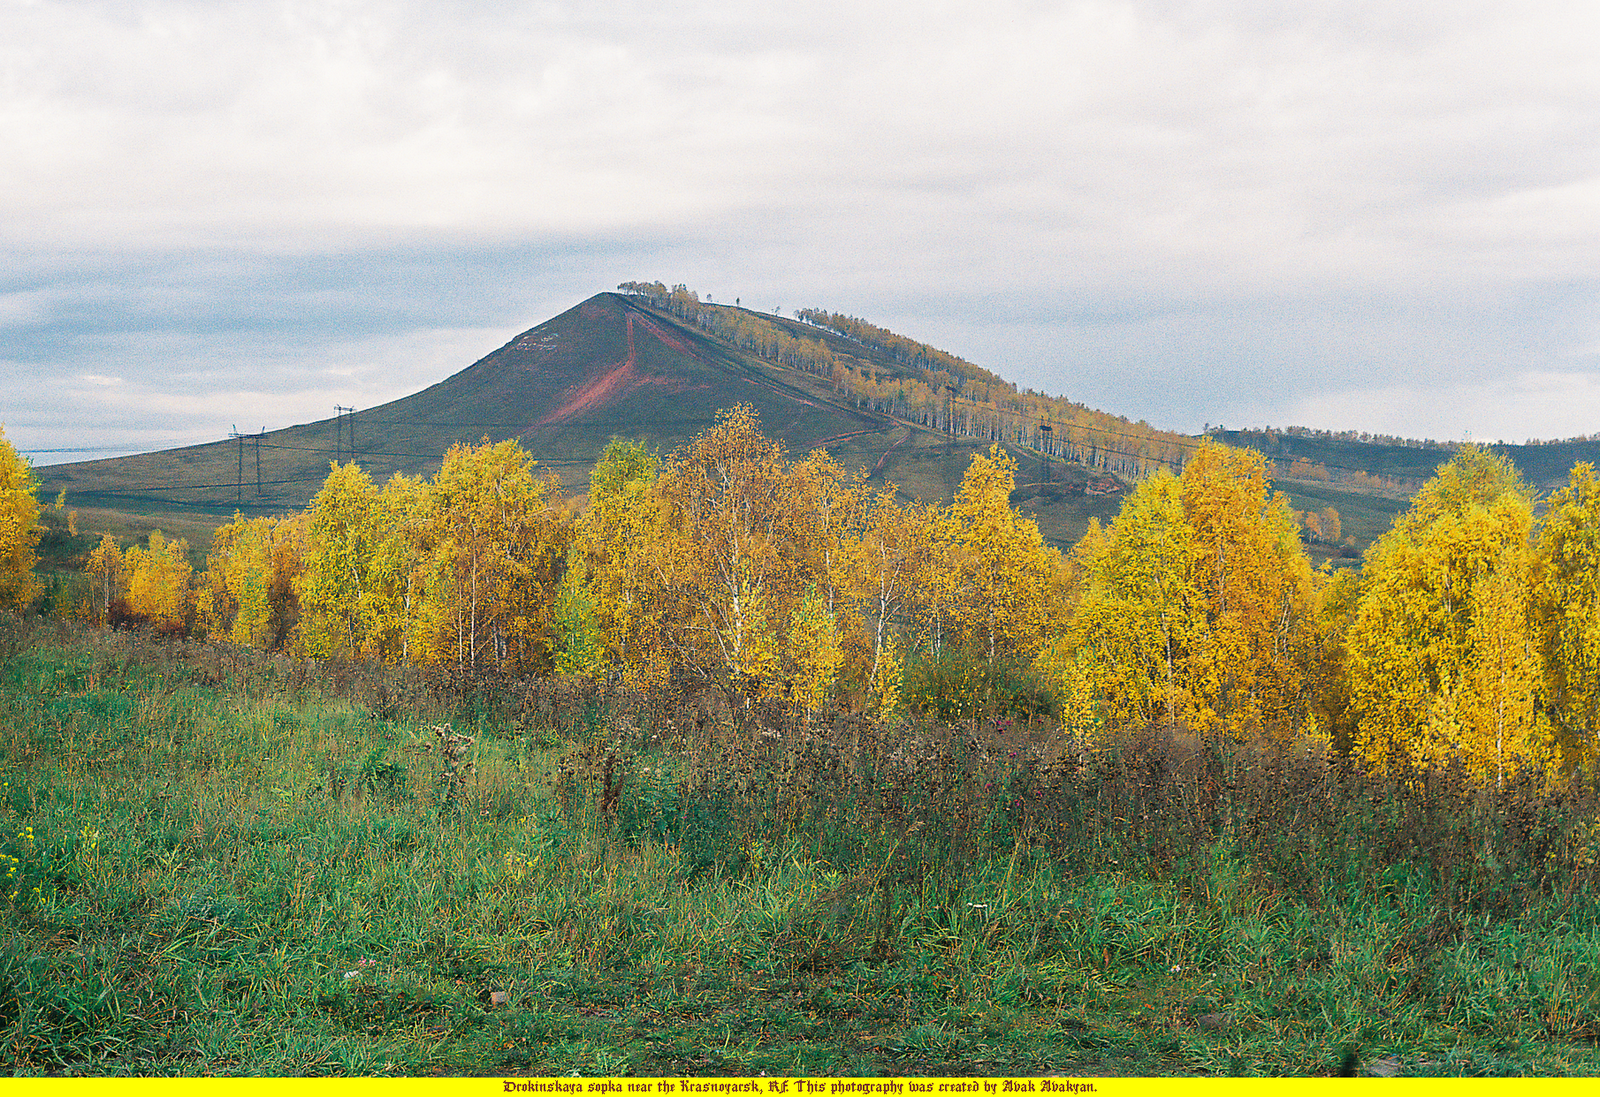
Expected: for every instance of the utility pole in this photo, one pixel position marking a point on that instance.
(238, 483)
(238, 475)
(339, 412)
(1046, 429)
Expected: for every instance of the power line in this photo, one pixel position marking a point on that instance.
(553, 461)
(1091, 437)
(380, 453)
(340, 450)
(121, 489)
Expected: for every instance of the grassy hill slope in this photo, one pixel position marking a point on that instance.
(611, 366)
(1544, 466)
(623, 365)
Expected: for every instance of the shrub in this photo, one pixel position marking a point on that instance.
(960, 685)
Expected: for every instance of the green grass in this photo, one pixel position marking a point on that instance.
(1362, 516)
(224, 864)
(196, 527)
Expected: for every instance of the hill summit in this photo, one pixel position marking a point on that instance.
(636, 365)
(656, 364)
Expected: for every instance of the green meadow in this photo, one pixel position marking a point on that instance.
(221, 862)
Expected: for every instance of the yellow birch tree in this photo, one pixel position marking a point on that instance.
(622, 536)
(814, 651)
(397, 571)
(249, 594)
(496, 539)
(338, 597)
(722, 568)
(888, 569)
(1247, 663)
(158, 578)
(1009, 578)
(104, 568)
(1566, 614)
(1441, 670)
(1125, 659)
(578, 647)
(19, 527)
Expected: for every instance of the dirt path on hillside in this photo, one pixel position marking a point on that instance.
(904, 438)
(823, 443)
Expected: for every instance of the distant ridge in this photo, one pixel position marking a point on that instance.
(1409, 464)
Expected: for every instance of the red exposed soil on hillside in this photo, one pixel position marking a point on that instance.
(617, 381)
(663, 335)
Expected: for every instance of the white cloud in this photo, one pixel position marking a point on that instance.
(1303, 197)
(1534, 405)
(190, 395)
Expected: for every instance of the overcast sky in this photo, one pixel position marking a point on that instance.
(1352, 215)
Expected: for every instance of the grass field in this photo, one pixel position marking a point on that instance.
(219, 862)
(1363, 516)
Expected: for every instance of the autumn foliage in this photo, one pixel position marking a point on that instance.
(1195, 605)
(1467, 640)
(19, 527)
(1442, 661)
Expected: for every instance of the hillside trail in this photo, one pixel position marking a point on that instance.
(823, 443)
(904, 438)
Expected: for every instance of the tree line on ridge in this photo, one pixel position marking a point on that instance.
(930, 387)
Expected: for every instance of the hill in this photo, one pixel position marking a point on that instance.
(614, 365)
(657, 364)
(1398, 467)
